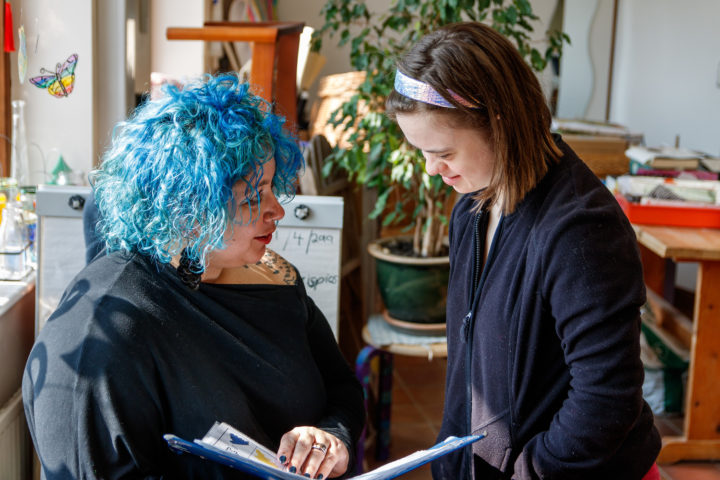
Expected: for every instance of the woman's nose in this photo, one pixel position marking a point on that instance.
(432, 167)
(274, 211)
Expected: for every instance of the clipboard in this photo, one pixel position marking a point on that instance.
(271, 472)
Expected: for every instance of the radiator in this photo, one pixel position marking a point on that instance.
(15, 445)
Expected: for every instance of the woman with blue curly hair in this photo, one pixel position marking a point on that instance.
(188, 318)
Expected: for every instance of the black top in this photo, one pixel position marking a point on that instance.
(131, 354)
(544, 354)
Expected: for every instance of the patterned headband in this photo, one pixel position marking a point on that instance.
(422, 92)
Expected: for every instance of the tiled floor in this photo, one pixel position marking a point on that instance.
(417, 400)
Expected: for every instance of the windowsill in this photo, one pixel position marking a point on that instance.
(13, 290)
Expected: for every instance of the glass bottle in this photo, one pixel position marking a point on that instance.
(14, 244)
(19, 162)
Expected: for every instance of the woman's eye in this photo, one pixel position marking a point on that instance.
(255, 199)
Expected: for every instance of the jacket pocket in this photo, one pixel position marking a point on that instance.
(492, 456)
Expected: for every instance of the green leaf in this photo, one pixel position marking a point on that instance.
(327, 169)
(375, 152)
(499, 17)
(344, 37)
(538, 62)
(380, 203)
(389, 218)
(524, 6)
(511, 15)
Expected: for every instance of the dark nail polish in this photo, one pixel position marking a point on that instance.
(320, 476)
(293, 469)
(283, 458)
(307, 475)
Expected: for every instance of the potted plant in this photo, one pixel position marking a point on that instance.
(376, 155)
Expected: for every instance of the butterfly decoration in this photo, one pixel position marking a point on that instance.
(61, 82)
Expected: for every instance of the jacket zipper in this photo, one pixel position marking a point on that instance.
(478, 280)
(475, 275)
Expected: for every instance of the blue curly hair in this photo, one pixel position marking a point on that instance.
(166, 182)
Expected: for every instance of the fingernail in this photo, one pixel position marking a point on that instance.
(307, 475)
(283, 458)
(319, 477)
(293, 469)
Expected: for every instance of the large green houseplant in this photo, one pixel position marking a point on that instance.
(375, 154)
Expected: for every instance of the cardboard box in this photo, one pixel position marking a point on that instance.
(605, 155)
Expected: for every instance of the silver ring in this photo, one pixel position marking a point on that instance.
(320, 446)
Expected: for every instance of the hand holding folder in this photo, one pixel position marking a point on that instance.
(228, 446)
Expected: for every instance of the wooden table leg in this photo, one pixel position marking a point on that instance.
(659, 273)
(701, 439)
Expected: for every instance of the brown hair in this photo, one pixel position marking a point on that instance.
(478, 64)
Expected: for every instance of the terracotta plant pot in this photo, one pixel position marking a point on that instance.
(413, 289)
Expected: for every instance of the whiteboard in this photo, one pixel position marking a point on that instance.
(60, 246)
(313, 244)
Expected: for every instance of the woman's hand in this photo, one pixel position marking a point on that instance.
(313, 452)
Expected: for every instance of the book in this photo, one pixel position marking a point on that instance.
(637, 168)
(665, 157)
(711, 163)
(228, 446)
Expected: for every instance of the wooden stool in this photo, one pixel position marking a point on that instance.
(384, 398)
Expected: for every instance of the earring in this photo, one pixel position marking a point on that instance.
(187, 270)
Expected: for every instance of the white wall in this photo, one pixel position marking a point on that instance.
(77, 126)
(600, 47)
(667, 60)
(586, 60)
(176, 57)
(54, 31)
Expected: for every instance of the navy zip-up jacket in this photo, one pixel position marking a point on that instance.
(544, 354)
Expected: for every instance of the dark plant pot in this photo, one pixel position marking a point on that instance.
(413, 289)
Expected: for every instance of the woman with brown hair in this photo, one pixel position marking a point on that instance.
(544, 322)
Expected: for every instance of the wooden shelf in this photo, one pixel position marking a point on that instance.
(672, 323)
